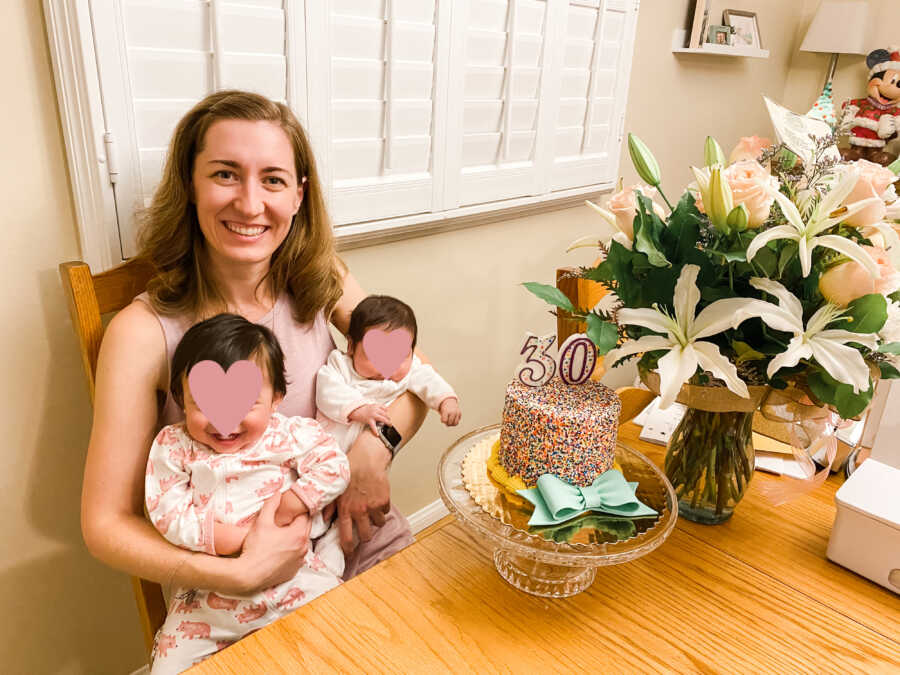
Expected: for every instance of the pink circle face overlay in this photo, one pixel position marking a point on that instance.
(225, 398)
(385, 350)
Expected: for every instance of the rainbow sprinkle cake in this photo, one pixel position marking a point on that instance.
(567, 430)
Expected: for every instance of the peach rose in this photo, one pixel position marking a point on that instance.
(750, 185)
(624, 206)
(874, 180)
(749, 147)
(844, 283)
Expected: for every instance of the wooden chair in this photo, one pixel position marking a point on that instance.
(89, 297)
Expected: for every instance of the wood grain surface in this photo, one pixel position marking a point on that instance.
(755, 594)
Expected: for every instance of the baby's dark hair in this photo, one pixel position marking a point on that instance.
(226, 339)
(381, 310)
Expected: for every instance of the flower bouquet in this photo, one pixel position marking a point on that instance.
(770, 273)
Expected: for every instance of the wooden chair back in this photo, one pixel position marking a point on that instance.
(89, 297)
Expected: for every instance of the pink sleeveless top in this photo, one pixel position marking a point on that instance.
(305, 346)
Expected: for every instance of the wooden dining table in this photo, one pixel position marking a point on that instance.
(755, 594)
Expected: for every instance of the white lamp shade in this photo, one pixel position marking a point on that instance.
(839, 27)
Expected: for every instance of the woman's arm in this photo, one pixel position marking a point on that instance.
(131, 367)
(368, 496)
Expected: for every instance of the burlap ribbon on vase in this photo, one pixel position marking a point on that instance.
(710, 399)
(812, 427)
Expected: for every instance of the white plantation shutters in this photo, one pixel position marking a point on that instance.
(419, 110)
(157, 58)
(374, 87)
(495, 98)
(593, 87)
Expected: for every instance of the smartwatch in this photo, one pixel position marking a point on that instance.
(389, 436)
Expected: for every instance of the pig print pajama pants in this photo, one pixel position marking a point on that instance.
(201, 623)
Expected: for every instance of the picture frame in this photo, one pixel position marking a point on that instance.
(719, 35)
(746, 28)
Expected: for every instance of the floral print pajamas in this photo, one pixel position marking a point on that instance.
(188, 487)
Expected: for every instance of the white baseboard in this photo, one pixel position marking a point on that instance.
(427, 516)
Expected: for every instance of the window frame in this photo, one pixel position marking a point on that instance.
(76, 71)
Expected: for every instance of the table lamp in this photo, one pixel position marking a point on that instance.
(839, 27)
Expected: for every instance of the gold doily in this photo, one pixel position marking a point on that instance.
(511, 509)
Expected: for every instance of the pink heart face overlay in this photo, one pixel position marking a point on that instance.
(225, 398)
(386, 351)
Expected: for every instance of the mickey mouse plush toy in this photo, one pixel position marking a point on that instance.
(875, 120)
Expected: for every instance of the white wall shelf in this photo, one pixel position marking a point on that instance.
(679, 38)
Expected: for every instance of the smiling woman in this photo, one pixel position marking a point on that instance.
(237, 225)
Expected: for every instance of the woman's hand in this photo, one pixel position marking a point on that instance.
(271, 554)
(368, 496)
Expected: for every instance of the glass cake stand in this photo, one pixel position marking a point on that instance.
(563, 561)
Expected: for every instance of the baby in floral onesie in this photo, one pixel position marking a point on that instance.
(351, 388)
(204, 488)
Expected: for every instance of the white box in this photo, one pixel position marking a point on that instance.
(866, 533)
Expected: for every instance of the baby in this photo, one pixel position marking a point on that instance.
(351, 391)
(205, 486)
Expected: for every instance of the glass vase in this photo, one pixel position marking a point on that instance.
(710, 463)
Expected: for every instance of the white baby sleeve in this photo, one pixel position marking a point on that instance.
(336, 397)
(170, 498)
(425, 383)
(323, 470)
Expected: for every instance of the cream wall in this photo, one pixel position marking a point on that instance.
(65, 613)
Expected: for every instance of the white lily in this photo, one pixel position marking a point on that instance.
(684, 333)
(828, 213)
(592, 240)
(814, 340)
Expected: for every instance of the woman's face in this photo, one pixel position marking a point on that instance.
(246, 190)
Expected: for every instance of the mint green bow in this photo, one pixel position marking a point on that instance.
(555, 501)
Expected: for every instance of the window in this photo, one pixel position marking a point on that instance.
(420, 111)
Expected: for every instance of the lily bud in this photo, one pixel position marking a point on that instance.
(738, 218)
(643, 160)
(712, 153)
(721, 201)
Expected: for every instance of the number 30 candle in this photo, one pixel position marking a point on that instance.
(577, 358)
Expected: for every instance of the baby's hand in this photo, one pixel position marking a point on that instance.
(369, 415)
(450, 412)
(290, 507)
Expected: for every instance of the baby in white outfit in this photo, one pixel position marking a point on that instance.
(354, 388)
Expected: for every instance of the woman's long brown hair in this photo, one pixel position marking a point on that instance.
(305, 265)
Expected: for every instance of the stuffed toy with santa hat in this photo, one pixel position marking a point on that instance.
(875, 120)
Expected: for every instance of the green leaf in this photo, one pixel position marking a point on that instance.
(739, 255)
(867, 314)
(647, 230)
(890, 348)
(680, 237)
(840, 395)
(602, 333)
(788, 253)
(767, 261)
(602, 272)
(550, 294)
(895, 296)
(889, 372)
(745, 352)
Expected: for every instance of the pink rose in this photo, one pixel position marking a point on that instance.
(874, 180)
(844, 283)
(751, 185)
(623, 205)
(749, 147)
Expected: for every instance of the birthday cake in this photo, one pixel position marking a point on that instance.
(569, 431)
